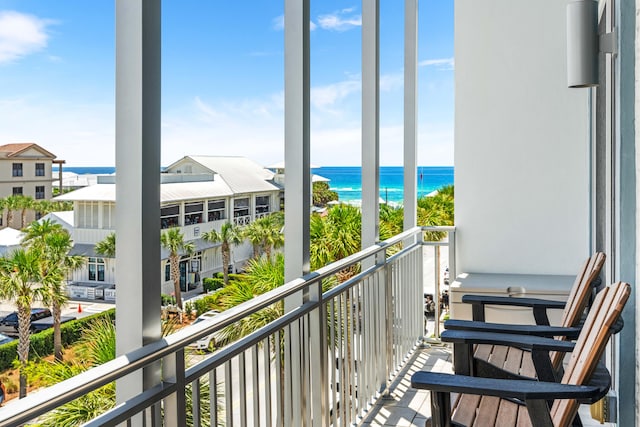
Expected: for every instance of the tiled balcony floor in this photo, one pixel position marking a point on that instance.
(410, 407)
(407, 406)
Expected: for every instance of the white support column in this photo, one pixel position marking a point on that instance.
(297, 190)
(137, 184)
(410, 112)
(296, 139)
(370, 122)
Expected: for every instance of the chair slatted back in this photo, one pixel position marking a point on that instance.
(591, 343)
(578, 297)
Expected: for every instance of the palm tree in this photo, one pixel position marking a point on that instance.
(265, 234)
(229, 234)
(3, 203)
(436, 210)
(42, 206)
(12, 203)
(322, 194)
(60, 206)
(96, 347)
(19, 282)
(253, 233)
(24, 203)
(335, 236)
(107, 246)
(173, 240)
(54, 243)
(261, 276)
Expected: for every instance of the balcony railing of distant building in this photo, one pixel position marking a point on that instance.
(262, 214)
(242, 220)
(327, 359)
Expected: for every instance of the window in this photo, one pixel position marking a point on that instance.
(88, 213)
(170, 216)
(39, 169)
(17, 191)
(39, 192)
(17, 169)
(240, 207)
(262, 204)
(167, 272)
(193, 213)
(108, 215)
(215, 210)
(96, 269)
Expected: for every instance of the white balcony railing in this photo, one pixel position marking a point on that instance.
(262, 214)
(326, 359)
(242, 220)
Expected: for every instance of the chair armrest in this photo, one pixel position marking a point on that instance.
(538, 330)
(539, 306)
(512, 301)
(525, 342)
(515, 389)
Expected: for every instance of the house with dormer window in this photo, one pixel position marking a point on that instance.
(25, 169)
(198, 194)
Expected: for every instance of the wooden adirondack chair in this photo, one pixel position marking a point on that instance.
(499, 402)
(510, 362)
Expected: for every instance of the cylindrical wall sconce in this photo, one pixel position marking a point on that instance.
(582, 43)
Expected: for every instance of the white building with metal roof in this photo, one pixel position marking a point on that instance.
(198, 194)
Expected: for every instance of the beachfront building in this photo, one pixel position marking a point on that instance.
(198, 194)
(25, 169)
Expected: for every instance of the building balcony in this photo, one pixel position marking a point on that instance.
(330, 356)
(343, 357)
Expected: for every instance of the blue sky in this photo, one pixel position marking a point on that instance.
(223, 82)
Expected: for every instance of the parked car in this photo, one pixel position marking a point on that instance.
(206, 343)
(47, 322)
(9, 325)
(5, 339)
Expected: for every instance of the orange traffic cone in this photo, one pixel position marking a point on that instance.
(79, 308)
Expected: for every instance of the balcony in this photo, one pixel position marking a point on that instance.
(564, 163)
(330, 358)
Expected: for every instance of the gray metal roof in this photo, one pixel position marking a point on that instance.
(89, 250)
(233, 175)
(168, 192)
(85, 249)
(241, 174)
(97, 192)
(178, 191)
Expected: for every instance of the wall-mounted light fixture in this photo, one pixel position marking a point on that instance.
(582, 43)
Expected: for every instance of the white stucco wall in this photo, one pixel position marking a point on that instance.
(521, 141)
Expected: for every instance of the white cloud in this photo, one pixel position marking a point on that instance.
(390, 82)
(278, 24)
(84, 135)
(81, 134)
(441, 63)
(325, 97)
(21, 35)
(342, 20)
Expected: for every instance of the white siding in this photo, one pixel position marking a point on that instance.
(521, 141)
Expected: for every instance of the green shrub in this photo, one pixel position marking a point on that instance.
(205, 304)
(210, 284)
(189, 307)
(167, 299)
(42, 342)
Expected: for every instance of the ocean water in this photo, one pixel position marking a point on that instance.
(347, 180)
